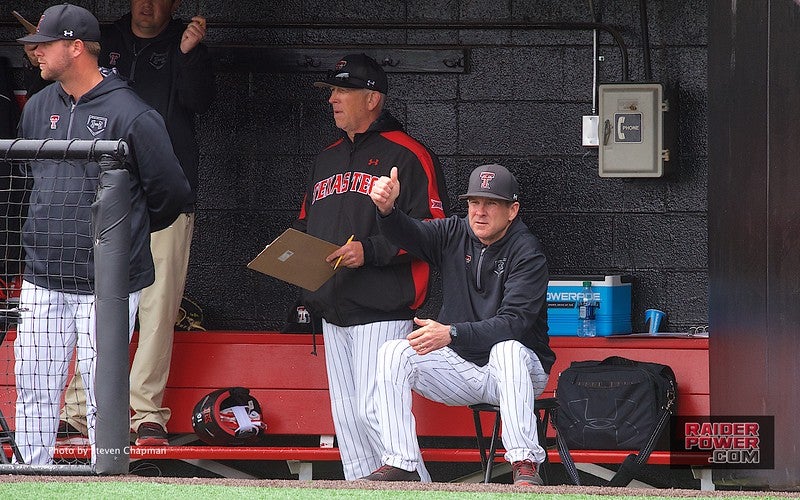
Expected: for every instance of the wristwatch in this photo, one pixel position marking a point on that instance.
(453, 332)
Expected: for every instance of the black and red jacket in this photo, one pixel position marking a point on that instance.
(390, 285)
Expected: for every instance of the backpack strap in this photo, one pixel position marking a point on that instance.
(634, 462)
(566, 459)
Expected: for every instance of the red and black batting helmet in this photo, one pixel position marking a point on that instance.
(227, 417)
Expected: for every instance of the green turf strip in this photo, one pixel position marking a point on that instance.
(148, 491)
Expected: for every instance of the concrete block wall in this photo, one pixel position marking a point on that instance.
(520, 104)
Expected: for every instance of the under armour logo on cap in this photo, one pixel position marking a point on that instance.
(65, 22)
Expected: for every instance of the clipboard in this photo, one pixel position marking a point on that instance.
(297, 258)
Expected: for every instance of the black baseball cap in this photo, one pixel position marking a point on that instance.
(357, 71)
(492, 181)
(65, 22)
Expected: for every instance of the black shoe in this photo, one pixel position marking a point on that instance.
(525, 474)
(151, 434)
(389, 473)
(67, 435)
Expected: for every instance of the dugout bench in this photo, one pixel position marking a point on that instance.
(291, 385)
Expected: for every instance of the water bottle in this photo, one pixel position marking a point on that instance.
(587, 309)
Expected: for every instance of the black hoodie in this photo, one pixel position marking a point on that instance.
(57, 235)
(390, 285)
(177, 85)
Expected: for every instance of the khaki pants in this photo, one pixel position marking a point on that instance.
(158, 309)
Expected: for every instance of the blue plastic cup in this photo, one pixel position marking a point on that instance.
(654, 316)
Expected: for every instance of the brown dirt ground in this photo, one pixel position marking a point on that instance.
(366, 485)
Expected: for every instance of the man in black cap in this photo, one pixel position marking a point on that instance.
(166, 64)
(56, 302)
(489, 343)
(379, 288)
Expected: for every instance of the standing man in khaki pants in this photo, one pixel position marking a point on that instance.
(170, 69)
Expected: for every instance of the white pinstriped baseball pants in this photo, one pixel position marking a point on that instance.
(158, 308)
(49, 329)
(351, 356)
(512, 379)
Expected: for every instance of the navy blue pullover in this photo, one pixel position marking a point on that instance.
(57, 235)
(490, 293)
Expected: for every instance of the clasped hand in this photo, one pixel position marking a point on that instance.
(430, 336)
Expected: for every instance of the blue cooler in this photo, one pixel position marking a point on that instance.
(612, 293)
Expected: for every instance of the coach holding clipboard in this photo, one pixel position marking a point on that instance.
(378, 287)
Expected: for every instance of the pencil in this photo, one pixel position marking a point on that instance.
(340, 257)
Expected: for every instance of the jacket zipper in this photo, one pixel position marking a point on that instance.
(132, 75)
(342, 214)
(71, 116)
(480, 265)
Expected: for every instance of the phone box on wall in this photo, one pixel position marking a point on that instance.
(613, 294)
(637, 130)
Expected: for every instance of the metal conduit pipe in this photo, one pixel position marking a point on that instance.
(648, 71)
(594, 58)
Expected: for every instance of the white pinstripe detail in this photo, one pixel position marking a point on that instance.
(512, 379)
(351, 355)
(50, 329)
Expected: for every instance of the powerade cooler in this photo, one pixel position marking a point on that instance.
(611, 292)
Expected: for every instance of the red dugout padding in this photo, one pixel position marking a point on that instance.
(290, 383)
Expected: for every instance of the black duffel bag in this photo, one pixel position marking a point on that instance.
(615, 404)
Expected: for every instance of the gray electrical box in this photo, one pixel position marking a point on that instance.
(632, 130)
